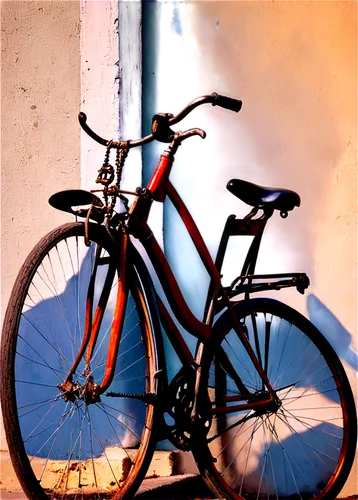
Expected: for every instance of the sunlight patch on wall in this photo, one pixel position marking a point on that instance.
(201, 169)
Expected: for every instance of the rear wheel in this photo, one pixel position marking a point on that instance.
(74, 448)
(300, 448)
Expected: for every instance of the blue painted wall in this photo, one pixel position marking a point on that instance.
(151, 18)
(162, 21)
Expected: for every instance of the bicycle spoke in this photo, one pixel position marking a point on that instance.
(45, 365)
(283, 349)
(92, 453)
(315, 450)
(248, 384)
(255, 425)
(38, 406)
(128, 367)
(271, 463)
(67, 467)
(296, 360)
(58, 351)
(267, 344)
(30, 382)
(304, 395)
(122, 413)
(32, 435)
(48, 458)
(300, 439)
(257, 345)
(64, 417)
(301, 380)
(312, 428)
(326, 420)
(288, 458)
(263, 468)
(249, 439)
(278, 335)
(241, 422)
(39, 309)
(59, 303)
(124, 425)
(102, 361)
(88, 417)
(115, 432)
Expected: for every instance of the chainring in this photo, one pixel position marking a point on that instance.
(178, 408)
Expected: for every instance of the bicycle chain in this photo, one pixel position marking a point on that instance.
(148, 397)
(106, 175)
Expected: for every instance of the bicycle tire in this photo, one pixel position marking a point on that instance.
(305, 448)
(73, 449)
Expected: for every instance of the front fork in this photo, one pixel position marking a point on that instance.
(91, 391)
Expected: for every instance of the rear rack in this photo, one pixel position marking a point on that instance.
(246, 284)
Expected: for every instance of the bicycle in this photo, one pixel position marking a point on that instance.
(264, 404)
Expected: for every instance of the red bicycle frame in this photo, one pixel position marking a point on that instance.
(158, 188)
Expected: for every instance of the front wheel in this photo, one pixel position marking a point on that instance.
(300, 448)
(71, 447)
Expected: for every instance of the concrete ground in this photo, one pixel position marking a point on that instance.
(172, 477)
(179, 487)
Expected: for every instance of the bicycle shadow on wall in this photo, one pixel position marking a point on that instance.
(50, 335)
(293, 437)
(328, 324)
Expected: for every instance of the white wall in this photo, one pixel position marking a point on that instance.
(40, 143)
(294, 65)
(99, 82)
(40, 101)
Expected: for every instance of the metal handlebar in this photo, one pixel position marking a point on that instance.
(82, 118)
(214, 99)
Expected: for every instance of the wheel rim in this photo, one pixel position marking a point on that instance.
(76, 448)
(295, 450)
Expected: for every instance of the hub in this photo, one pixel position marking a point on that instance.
(88, 392)
(270, 404)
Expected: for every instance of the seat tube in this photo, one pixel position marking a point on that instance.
(119, 314)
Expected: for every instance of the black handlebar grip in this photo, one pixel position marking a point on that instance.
(226, 102)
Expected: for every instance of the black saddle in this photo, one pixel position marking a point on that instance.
(77, 202)
(258, 196)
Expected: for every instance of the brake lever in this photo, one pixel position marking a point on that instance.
(179, 137)
(190, 133)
